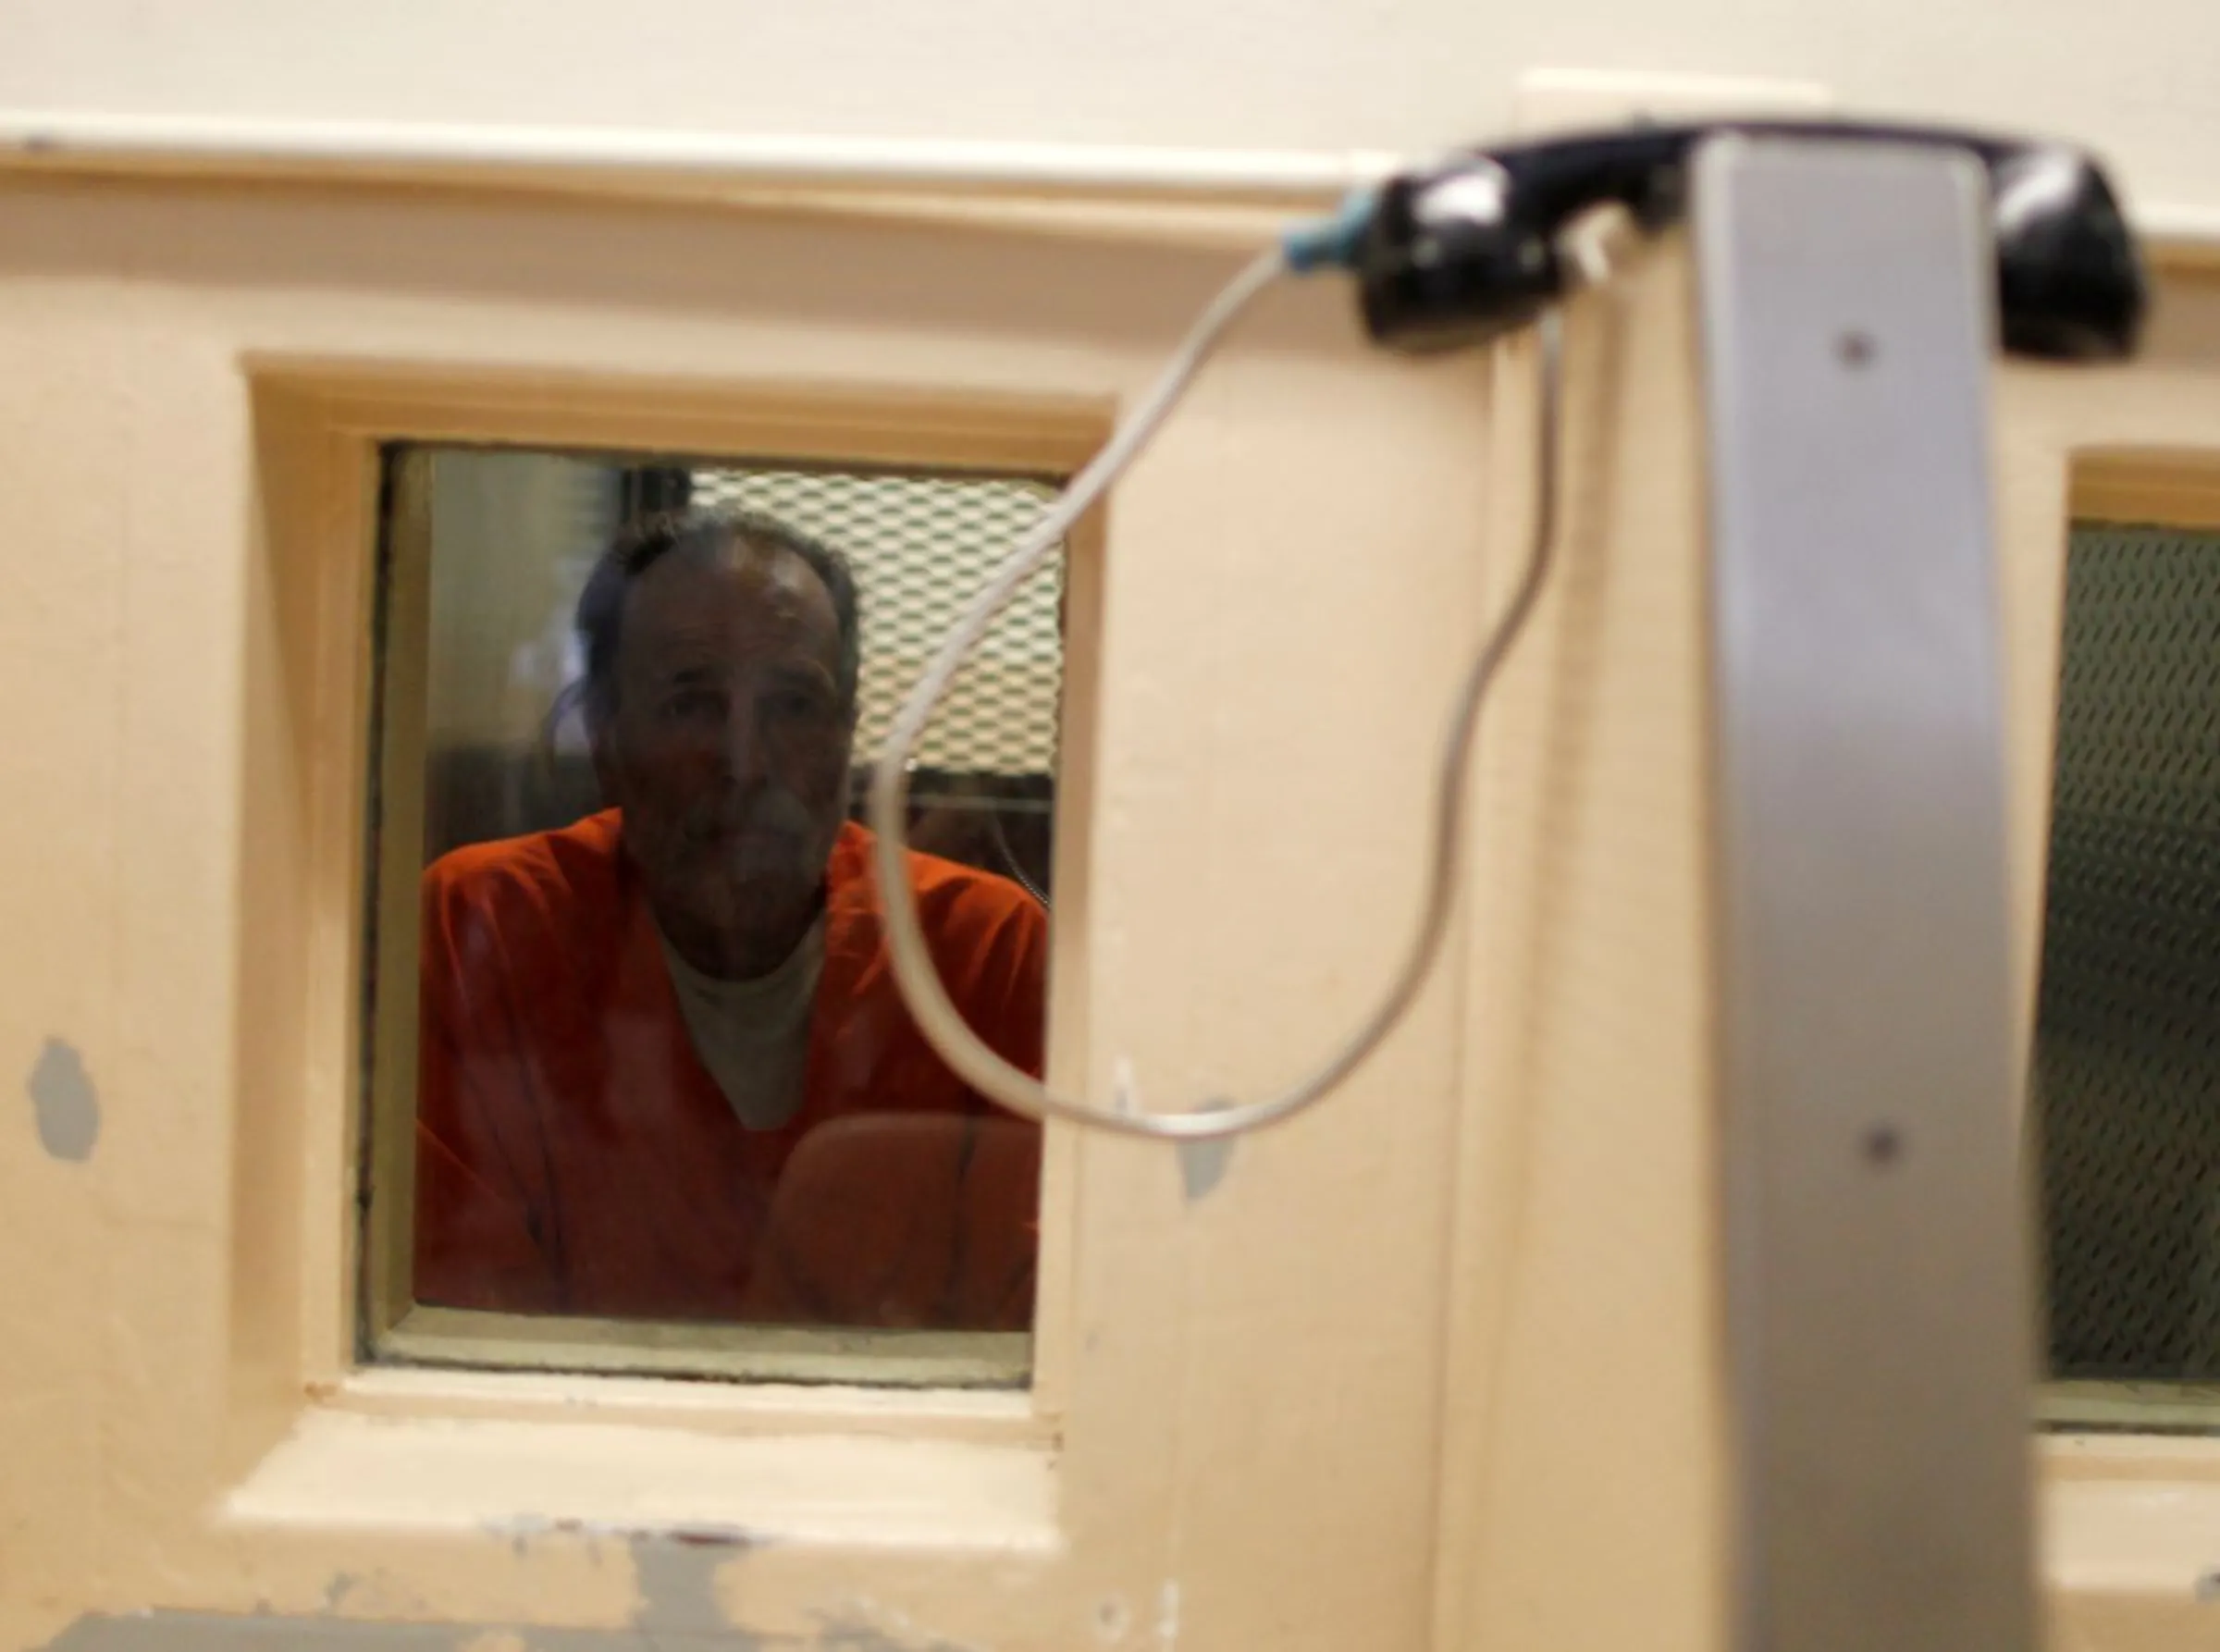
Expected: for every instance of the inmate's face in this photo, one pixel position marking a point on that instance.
(727, 748)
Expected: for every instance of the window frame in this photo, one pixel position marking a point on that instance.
(324, 433)
(2133, 489)
(2130, 1473)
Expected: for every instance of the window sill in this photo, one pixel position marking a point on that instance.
(992, 1417)
(461, 1338)
(343, 1467)
(2131, 1517)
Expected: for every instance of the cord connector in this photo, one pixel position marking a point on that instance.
(1333, 242)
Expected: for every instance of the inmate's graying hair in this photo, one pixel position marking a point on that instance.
(645, 542)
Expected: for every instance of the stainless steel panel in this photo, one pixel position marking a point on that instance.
(1879, 1303)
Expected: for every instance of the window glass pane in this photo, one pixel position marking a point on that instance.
(660, 1084)
(2127, 1052)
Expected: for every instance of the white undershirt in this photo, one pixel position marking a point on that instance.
(753, 1036)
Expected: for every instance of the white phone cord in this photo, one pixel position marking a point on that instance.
(915, 972)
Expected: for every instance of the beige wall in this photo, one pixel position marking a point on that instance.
(2139, 78)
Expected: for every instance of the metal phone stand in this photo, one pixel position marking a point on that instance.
(1879, 1300)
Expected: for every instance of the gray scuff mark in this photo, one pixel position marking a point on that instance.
(675, 1575)
(219, 1632)
(2208, 1585)
(1202, 1164)
(64, 1102)
(342, 1584)
(677, 1612)
(370, 1596)
(1202, 1167)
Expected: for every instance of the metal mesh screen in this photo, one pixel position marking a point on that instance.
(922, 545)
(2127, 1052)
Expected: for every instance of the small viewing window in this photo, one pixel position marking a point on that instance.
(644, 1096)
(2126, 1069)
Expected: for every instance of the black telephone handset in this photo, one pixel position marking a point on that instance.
(1461, 252)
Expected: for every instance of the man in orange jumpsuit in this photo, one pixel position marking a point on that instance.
(665, 1071)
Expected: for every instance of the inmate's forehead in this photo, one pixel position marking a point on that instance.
(727, 605)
